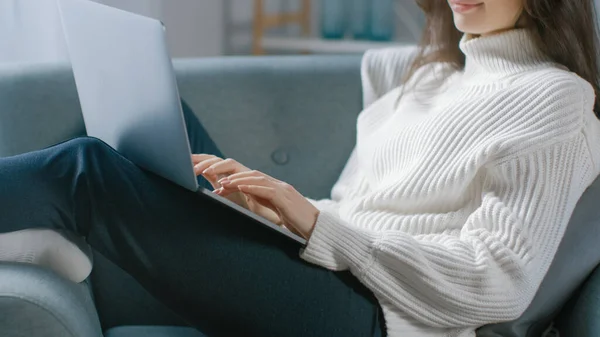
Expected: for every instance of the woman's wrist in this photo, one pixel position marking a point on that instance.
(307, 232)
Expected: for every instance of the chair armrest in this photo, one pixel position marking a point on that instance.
(581, 316)
(36, 302)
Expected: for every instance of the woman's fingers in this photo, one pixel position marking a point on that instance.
(250, 189)
(197, 158)
(231, 186)
(200, 167)
(248, 180)
(258, 187)
(212, 167)
(267, 193)
(283, 199)
(250, 173)
(230, 183)
(224, 167)
(267, 204)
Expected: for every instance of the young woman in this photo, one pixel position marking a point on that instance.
(446, 217)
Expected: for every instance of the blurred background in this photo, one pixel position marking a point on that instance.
(30, 30)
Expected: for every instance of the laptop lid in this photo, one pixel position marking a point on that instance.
(127, 87)
(128, 93)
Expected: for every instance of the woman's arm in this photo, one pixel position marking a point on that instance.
(491, 269)
(350, 182)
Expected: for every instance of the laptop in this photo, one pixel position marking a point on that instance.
(129, 96)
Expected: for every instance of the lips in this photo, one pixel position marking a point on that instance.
(464, 6)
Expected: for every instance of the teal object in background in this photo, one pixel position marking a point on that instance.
(383, 19)
(333, 19)
(364, 19)
(361, 19)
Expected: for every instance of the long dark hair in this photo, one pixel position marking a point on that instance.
(565, 30)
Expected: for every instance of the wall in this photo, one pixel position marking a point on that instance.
(30, 31)
(151, 8)
(194, 27)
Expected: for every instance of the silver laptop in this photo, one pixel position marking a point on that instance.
(128, 92)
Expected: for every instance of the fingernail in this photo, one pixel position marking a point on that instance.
(224, 182)
(207, 171)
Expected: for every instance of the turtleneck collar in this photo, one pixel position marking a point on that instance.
(504, 53)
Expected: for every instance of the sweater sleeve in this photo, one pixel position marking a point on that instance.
(487, 270)
(383, 70)
(350, 182)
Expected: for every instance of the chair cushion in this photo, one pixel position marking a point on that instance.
(152, 331)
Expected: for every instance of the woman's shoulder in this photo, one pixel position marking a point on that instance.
(555, 84)
(549, 103)
(384, 69)
(554, 92)
(384, 61)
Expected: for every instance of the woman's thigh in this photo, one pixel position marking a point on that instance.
(222, 272)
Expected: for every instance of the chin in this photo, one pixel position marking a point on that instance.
(466, 28)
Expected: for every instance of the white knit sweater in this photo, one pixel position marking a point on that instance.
(456, 197)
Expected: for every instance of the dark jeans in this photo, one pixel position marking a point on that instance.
(224, 274)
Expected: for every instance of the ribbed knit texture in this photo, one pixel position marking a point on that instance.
(456, 197)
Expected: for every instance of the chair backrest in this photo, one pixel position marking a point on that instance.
(291, 117)
(39, 107)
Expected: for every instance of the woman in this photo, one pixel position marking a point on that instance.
(446, 217)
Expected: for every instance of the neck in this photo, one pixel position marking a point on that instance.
(495, 32)
(521, 22)
(502, 53)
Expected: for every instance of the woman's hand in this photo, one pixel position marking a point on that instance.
(294, 210)
(213, 168)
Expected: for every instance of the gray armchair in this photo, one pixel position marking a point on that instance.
(285, 116)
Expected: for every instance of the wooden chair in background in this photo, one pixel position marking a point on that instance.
(264, 21)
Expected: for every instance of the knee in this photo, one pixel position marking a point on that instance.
(87, 146)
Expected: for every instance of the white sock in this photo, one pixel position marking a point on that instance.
(47, 248)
